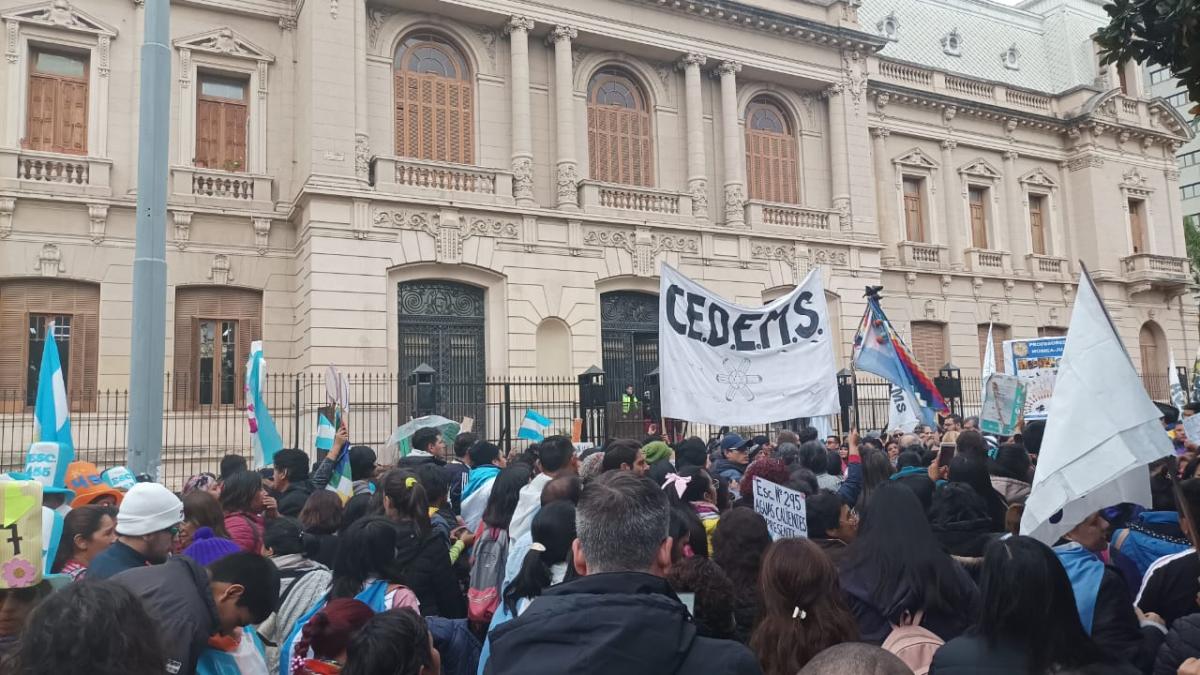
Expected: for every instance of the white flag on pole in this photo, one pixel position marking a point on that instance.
(989, 364)
(1103, 432)
(1178, 397)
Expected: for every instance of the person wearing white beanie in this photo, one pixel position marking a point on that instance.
(147, 523)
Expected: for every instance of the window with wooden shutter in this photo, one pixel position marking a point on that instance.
(620, 146)
(977, 198)
(222, 123)
(213, 331)
(929, 345)
(914, 209)
(1154, 360)
(435, 101)
(1000, 333)
(770, 154)
(1037, 227)
(1137, 225)
(1052, 331)
(56, 115)
(27, 307)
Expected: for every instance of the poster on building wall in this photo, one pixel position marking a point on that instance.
(723, 364)
(1035, 360)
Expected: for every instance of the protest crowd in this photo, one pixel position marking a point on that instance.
(638, 557)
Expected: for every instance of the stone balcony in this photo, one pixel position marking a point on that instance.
(629, 201)
(54, 173)
(946, 84)
(920, 254)
(442, 180)
(1047, 267)
(223, 189)
(986, 261)
(1150, 272)
(790, 217)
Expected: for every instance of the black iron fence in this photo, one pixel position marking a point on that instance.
(197, 434)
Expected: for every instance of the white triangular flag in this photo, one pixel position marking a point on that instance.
(989, 364)
(1178, 398)
(902, 411)
(1103, 432)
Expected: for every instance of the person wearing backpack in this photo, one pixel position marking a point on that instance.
(1028, 622)
(366, 569)
(895, 571)
(490, 554)
(302, 583)
(802, 610)
(421, 554)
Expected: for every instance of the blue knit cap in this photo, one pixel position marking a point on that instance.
(207, 547)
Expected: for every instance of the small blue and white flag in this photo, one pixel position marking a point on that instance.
(51, 413)
(534, 426)
(265, 440)
(326, 430)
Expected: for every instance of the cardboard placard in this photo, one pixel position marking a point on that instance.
(20, 533)
(1003, 402)
(47, 463)
(784, 509)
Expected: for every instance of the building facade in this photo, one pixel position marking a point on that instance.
(489, 186)
(1163, 84)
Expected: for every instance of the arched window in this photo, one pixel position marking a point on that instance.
(770, 154)
(619, 144)
(435, 104)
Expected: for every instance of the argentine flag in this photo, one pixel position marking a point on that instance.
(534, 426)
(51, 415)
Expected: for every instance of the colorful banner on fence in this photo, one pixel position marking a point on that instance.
(722, 363)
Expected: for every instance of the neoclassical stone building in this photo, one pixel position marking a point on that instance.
(489, 186)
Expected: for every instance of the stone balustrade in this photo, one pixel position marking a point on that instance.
(595, 196)
(194, 185)
(445, 180)
(773, 214)
(54, 173)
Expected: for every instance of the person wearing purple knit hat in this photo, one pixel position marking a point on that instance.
(207, 547)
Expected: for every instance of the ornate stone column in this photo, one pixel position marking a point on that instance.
(697, 180)
(1018, 238)
(735, 186)
(839, 157)
(885, 196)
(951, 204)
(518, 28)
(567, 178)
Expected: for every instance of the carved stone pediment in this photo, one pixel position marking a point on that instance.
(224, 41)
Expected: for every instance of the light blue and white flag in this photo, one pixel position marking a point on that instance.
(264, 437)
(534, 426)
(51, 413)
(326, 430)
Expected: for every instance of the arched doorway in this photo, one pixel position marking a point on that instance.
(1152, 345)
(441, 323)
(629, 339)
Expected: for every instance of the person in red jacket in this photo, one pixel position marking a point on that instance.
(247, 507)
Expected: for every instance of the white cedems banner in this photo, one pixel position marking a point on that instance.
(724, 364)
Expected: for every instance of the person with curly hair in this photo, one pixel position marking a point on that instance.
(92, 628)
(802, 610)
(707, 590)
(739, 542)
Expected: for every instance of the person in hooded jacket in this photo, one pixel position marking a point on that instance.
(302, 583)
(621, 616)
(420, 552)
(1011, 473)
(190, 603)
(895, 565)
(961, 525)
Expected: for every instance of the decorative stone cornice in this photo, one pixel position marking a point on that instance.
(729, 68)
(521, 23)
(691, 59)
(561, 33)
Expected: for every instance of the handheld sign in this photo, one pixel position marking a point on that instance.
(47, 463)
(1003, 401)
(783, 508)
(119, 477)
(20, 533)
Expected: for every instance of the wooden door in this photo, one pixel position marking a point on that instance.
(56, 115)
(978, 205)
(1137, 228)
(914, 216)
(222, 123)
(1037, 230)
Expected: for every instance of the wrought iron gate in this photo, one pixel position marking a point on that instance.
(441, 323)
(629, 337)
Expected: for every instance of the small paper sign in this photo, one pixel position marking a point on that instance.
(120, 478)
(1003, 402)
(784, 509)
(20, 533)
(47, 463)
(466, 425)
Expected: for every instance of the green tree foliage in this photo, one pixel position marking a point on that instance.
(1163, 32)
(1191, 237)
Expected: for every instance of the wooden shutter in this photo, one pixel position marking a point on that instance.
(770, 156)
(914, 216)
(620, 146)
(233, 139)
(1037, 229)
(56, 115)
(1136, 227)
(73, 104)
(434, 118)
(208, 134)
(194, 303)
(929, 345)
(1051, 331)
(978, 218)
(81, 301)
(40, 112)
(999, 335)
(221, 125)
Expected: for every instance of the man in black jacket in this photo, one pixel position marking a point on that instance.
(190, 604)
(291, 481)
(621, 616)
(428, 447)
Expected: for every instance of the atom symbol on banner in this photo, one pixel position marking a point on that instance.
(737, 378)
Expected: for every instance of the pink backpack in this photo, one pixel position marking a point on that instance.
(915, 646)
